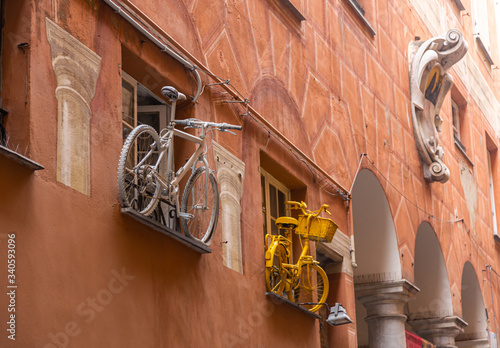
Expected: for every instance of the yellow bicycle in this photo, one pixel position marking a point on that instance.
(305, 282)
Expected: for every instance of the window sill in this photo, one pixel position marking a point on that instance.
(361, 17)
(461, 148)
(190, 243)
(289, 14)
(459, 4)
(483, 49)
(497, 238)
(293, 10)
(277, 298)
(25, 161)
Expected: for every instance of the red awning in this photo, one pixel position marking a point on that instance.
(414, 341)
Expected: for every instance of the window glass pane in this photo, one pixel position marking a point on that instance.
(274, 228)
(263, 187)
(455, 111)
(127, 103)
(273, 204)
(150, 118)
(281, 203)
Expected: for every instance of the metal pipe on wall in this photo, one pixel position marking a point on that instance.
(163, 47)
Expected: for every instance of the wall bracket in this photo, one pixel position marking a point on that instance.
(429, 84)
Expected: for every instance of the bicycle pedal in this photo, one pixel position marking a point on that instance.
(186, 216)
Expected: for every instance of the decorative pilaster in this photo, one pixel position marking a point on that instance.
(384, 303)
(440, 331)
(230, 175)
(429, 84)
(76, 68)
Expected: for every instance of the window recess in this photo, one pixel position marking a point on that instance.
(460, 124)
(274, 196)
(481, 29)
(141, 106)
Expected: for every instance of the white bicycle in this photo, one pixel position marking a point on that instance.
(146, 173)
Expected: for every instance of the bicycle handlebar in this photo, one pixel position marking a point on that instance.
(302, 206)
(191, 122)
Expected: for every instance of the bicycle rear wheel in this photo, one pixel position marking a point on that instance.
(275, 274)
(312, 290)
(137, 188)
(200, 206)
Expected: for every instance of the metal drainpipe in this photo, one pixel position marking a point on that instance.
(160, 44)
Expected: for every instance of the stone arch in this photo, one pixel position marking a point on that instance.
(431, 313)
(473, 311)
(377, 252)
(380, 291)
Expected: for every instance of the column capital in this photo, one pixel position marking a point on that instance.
(72, 60)
(384, 302)
(440, 331)
(230, 170)
(390, 291)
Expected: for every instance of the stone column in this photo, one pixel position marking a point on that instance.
(440, 331)
(76, 68)
(230, 175)
(384, 302)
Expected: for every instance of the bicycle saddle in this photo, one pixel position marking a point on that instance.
(170, 93)
(287, 222)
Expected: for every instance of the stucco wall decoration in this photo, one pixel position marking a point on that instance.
(429, 83)
(76, 68)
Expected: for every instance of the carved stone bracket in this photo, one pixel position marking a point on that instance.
(429, 84)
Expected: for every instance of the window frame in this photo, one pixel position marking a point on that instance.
(455, 114)
(162, 108)
(266, 210)
(492, 193)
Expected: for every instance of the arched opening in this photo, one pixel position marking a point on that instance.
(430, 315)
(473, 311)
(431, 277)
(377, 255)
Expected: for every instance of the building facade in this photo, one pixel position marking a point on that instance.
(338, 104)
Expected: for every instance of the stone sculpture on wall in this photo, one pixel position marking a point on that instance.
(429, 84)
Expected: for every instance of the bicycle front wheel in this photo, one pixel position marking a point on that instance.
(275, 274)
(312, 290)
(137, 188)
(200, 206)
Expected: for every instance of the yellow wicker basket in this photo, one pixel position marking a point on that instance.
(321, 229)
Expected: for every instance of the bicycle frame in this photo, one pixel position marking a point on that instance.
(304, 257)
(198, 156)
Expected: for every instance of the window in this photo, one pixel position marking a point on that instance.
(461, 127)
(492, 195)
(455, 113)
(274, 196)
(491, 153)
(15, 34)
(141, 106)
(458, 7)
(481, 29)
